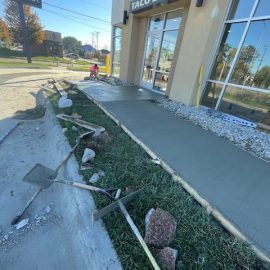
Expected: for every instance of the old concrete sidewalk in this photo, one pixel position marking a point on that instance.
(233, 181)
(60, 234)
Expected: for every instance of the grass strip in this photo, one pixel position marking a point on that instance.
(202, 242)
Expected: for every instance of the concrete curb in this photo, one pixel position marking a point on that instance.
(226, 223)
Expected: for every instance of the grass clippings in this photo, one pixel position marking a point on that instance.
(201, 241)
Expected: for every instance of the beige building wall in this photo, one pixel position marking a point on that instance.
(118, 7)
(202, 30)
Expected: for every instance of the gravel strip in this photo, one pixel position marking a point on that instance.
(247, 138)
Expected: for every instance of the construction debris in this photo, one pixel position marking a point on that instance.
(160, 228)
(167, 258)
(88, 155)
(64, 102)
(101, 173)
(21, 224)
(94, 178)
(74, 128)
(80, 123)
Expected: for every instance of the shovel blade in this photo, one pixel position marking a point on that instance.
(40, 176)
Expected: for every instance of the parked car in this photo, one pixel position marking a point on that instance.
(72, 55)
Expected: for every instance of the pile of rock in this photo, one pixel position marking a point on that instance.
(160, 229)
(247, 138)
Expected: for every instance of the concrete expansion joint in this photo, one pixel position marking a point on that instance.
(223, 221)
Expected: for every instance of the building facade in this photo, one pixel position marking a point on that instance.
(163, 44)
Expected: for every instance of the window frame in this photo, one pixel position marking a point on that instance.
(226, 82)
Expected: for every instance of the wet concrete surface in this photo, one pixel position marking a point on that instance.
(230, 179)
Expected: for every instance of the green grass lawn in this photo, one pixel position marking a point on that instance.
(202, 242)
(15, 64)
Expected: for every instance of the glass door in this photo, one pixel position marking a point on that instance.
(159, 49)
(150, 59)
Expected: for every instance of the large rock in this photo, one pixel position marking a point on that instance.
(166, 258)
(160, 228)
(88, 155)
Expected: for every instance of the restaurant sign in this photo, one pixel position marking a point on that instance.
(136, 5)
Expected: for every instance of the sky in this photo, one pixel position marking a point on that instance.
(70, 24)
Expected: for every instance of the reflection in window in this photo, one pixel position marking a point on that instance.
(173, 20)
(253, 65)
(167, 51)
(227, 50)
(156, 23)
(246, 104)
(161, 81)
(150, 58)
(241, 9)
(263, 8)
(116, 56)
(211, 94)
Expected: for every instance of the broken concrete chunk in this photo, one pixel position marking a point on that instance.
(101, 174)
(94, 178)
(64, 102)
(156, 161)
(48, 209)
(64, 130)
(88, 155)
(74, 128)
(160, 228)
(102, 137)
(167, 258)
(21, 224)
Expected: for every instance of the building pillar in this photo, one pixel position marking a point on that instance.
(202, 30)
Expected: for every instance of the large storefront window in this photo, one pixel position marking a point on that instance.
(117, 44)
(239, 82)
(160, 46)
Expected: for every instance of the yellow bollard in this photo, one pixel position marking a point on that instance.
(199, 86)
(108, 64)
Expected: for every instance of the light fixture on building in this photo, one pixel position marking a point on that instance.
(199, 3)
(125, 17)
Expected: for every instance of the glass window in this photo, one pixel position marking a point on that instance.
(116, 70)
(156, 23)
(173, 20)
(117, 31)
(161, 81)
(241, 9)
(167, 51)
(151, 55)
(211, 94)
(116, 56)
(263, 8)
(253, 64)
(227, 50)
(246, 104)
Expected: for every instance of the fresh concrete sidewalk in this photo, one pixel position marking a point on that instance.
(230, 179)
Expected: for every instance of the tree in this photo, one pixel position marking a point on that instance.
(262, 78)
(35, 30)
(72, 45)
(4, 32)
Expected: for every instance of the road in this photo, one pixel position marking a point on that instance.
(59, 233)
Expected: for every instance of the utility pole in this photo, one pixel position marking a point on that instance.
(26, 45)
(97, 33)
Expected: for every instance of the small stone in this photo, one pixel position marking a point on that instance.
(156, 161)
(94, 178)
(160, 228)
(64, 102)
(21, 224)
(64, 130)
(167, 258)
(74, 128)
(88, 155)
(48, 209)
(6, 237)
(101, 174)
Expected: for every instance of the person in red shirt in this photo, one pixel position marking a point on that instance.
(94, 70)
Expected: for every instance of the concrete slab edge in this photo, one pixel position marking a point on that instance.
(9, 132)
(226, 223)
